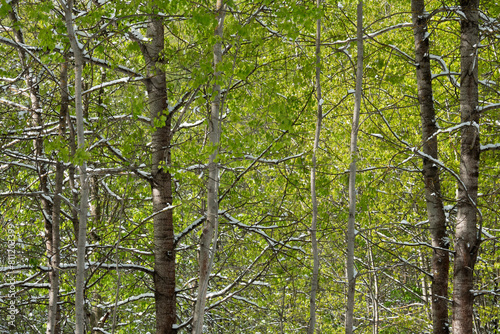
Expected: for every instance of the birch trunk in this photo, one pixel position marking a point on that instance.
(351, 234)
(314, 241)
(466, 234)
(84, 186)
(209, 233)
(435, 210)
(161, 184)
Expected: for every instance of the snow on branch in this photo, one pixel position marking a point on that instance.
(490, 147)
(126, 249)
(63, 266)
(110, 191)
(373, 34)
(446, 71)
(128, 300)
(18, 155)
(453, 128)
(489, 107)
(486, 292)
(440, 164)
(273, 161)
(141, 118)
(186, 125)
(14, 104)
(21, 193)
(15, 44)
(257, 229)
(25, 283)
(111, 83)
(18, 164)
(239, 278)
(100, 62)
(188, 229)
(168, 207)
(106, 64)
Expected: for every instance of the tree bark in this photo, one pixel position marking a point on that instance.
(84, 185)
(314, 241)
(50, 210)
(209, 233)
(351, 235)
(53, 325)
(435, 210)
(467, 238)
(161, 183)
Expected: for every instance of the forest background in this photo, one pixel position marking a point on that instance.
(186, 166)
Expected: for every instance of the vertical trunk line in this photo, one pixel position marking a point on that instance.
(161, 183)
(49, 212)
(432, 183)
(84, 186)
(314, 241)
(351, 234)
(466, 234)
(210, 230)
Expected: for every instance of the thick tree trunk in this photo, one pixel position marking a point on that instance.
(161, 183)
(435, 210)
(207, 252)
(351, 235)
(314, 222)
(466, 235)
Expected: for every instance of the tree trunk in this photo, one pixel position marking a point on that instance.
(207, 253)
(435, 210)
(53, 325)
(351, 275)
(161, 183)
(84, 185)
(466, 235)
(314, 241)
(49, 212)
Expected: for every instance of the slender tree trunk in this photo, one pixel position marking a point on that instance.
(84, 184)
(161, 183)
(53, 325)
(375, 293)
(435, 210)
(209, 233)
(49, 212)
(467, 238)
(351, 275)
(314, 241)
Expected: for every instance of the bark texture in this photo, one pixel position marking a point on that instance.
(207, 252)
(351, 234)
(53, 325)
(161, 183)
(466, 235)
(314, 222)
(435, 210)
(50, 209)
(84, 185)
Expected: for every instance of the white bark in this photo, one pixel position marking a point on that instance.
(351, 276)
(84, 186)
(209, 234)
(314, 241)
(467, 236)
(430, 171)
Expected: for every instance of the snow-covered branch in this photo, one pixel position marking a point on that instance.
(490, 147)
